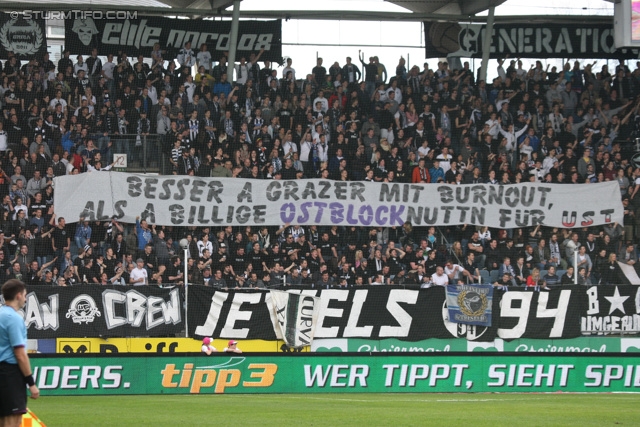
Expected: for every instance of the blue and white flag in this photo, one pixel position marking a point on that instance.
(470, 304)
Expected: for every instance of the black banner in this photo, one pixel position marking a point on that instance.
(611, 309)
(374, 312)
(137, 36)
(103, 311)
(384, 312)
(524, 41)
(543, 315)
(24, 37)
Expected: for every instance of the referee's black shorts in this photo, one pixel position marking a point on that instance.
(13, 390)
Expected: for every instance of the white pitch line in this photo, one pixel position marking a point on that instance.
(410, 400)
(279, 397)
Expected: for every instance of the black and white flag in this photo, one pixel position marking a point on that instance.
(21, 36)
(297, 315)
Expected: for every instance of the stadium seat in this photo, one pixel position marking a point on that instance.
(493, 276)
(485, 276)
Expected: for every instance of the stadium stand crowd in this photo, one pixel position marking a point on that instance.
(349, 122)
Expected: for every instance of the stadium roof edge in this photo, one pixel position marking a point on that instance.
(304, 14)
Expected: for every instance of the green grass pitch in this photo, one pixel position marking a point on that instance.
(342, 409)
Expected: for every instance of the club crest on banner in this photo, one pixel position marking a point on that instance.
(83, 309)
(461, 330)
(22, 37)
(472, 303)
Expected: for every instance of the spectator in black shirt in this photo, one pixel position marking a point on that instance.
(521, 272)
(4, 267)
(288, 172)
(174, 273)
(475, 245)
(611, 272)
(305, 278)
(31, 276)
(394, 261)
(150, 260)
(61, 238)
(86, 273)
(303, 249)
(327, 248)
(415, 259)
(350, 251)
(346, 273)
(119, 246)
(229, 276)
(567, 278)
(275, 255)
(289, 244)
(220, 259)
(493, 256)
(470, 264)
(239, 261)
(325, 281)
(257, 258)
(314, 261)
(431, 264)
(363, 271)
(417, 276)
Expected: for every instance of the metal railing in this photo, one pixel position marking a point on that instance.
(144, 153)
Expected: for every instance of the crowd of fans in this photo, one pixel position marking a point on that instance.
(573, 126)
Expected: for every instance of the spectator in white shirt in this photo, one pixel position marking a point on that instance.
(324, 102)
(139, 275)
(439, 278)
(494, 126)
(455, 272)
(289, 69)
(203, 244)
(204, 58)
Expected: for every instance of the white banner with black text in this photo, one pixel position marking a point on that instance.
(193, 201)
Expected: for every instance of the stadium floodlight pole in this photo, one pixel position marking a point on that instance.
(486, 45)
(233, 40)
(184, 244)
